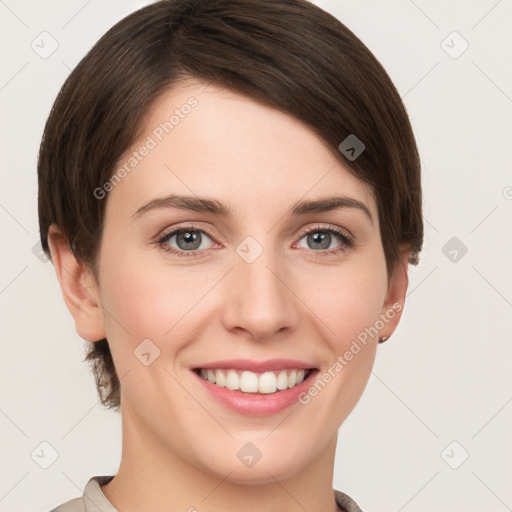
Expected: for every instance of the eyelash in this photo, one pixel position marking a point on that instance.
(348, 242)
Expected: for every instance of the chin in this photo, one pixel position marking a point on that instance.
(264, 471)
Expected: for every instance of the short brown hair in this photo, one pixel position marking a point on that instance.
(288, 54)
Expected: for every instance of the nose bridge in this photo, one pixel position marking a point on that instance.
(261, 301)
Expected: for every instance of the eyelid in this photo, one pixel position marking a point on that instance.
(303, 231)
(348, 240)
(327, 227)
(187, 225)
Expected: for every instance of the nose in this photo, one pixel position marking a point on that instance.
(260, 300)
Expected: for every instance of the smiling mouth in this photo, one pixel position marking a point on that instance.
(251, 382)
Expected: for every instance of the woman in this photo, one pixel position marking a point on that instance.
(230, 193)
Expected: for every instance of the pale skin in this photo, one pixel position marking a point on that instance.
(179, 447)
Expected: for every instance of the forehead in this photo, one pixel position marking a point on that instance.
(201, 139)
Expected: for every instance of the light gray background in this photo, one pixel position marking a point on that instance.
(443, 377)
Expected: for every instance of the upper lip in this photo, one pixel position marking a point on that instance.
(256, 366)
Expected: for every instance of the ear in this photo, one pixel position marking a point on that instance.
(79, 288)
(395, 297)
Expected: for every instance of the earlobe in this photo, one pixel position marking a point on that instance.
(79, 288)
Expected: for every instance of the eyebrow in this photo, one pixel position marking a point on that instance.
(201, 204)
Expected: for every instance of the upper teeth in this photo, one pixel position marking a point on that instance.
(250, 382)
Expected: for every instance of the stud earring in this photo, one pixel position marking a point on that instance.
(383, 339)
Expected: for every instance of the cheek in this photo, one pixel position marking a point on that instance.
(355, 313)
(348, 300)
(347, 304)
(152, 302)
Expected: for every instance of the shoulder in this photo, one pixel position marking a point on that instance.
(345, 502)
(92, 500)
(75, 505)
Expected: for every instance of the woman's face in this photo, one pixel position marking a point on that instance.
(257, 282)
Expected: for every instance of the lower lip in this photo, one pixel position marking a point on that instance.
(257, 404)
